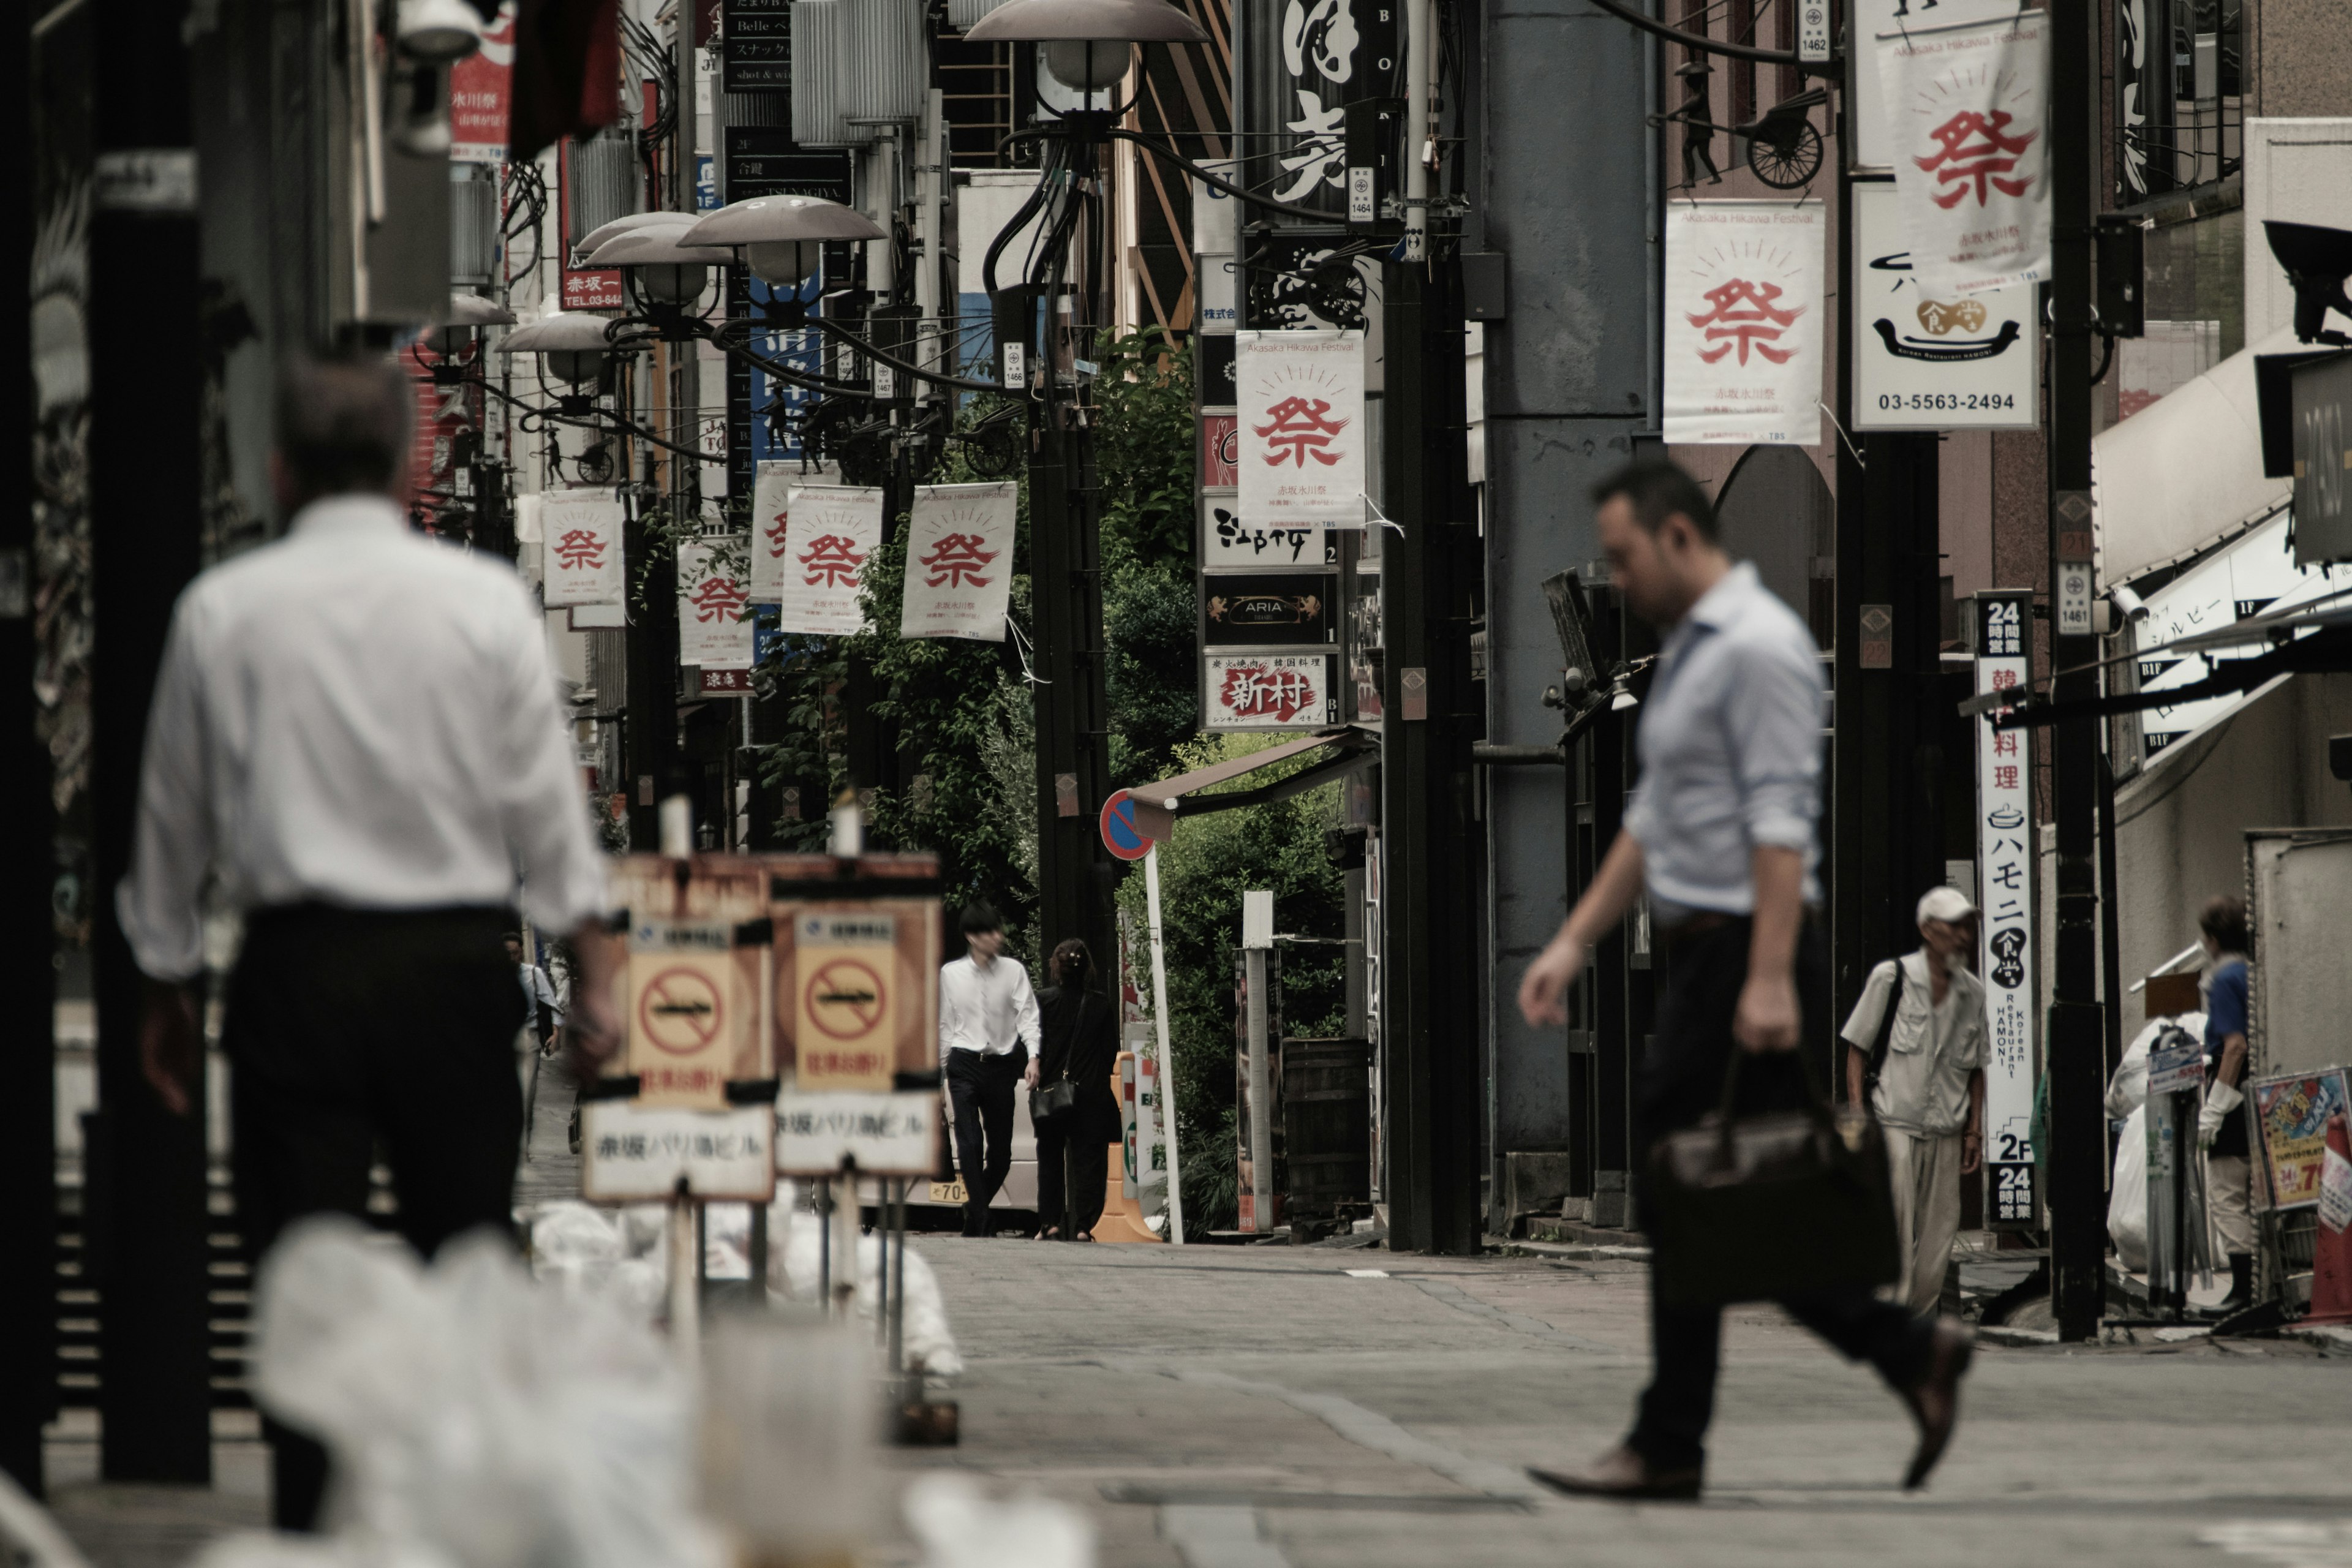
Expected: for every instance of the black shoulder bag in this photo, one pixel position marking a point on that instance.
(1048, 1101)
(1769, 1205)
(1885, 1035)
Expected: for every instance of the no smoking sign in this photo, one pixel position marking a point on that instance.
(844, 1001)
(681, 1012)
(845, 998)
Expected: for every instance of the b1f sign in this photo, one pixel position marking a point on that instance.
(2004, 809)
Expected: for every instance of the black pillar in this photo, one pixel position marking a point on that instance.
(2074, 1047)
(1429, 1024)
(650, 742)
(1074, 871)
(145, 1193)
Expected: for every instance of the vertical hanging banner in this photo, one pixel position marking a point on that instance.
(1968, 113)
(479, 87)
(1920, 363)
(2005, 951)
(1744, 347)
(960, 561)
(834, 529)
(1301, 427)
(771, 490)
(581, 538)
(714, 625)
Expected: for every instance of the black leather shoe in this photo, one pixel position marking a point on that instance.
(1935, 1399)
(1625, 1476)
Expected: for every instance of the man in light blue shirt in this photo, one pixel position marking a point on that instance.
(1721, 832)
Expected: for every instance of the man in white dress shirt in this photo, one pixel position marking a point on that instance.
(356, 742)
(988, 1044)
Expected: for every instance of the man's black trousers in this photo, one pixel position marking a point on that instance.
(1681, 1079)
(981, 1088)
(349, 1032)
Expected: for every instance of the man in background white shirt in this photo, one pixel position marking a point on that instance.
(988, 1044)
(356, 742)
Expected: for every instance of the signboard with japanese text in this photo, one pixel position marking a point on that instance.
(1229, 544)
(1302, 429)
(771, 521)
(1743, 329)
(2291, 1113)
(880, 1134)
(1272, 690)
(758, 57)
(480, 86)
(1265, 611)
(2004, 808)
(960, 561)
(835, 528)
(583, 289)
(1966, 109)
(1306, 60)
(694, 1009)
(845, 1000)
(1220, 451)
(2254, 575)
(1963, 363)
(714, 623)
(632, 1152)
(580, 533)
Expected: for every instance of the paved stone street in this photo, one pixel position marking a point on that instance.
(1225, 1407)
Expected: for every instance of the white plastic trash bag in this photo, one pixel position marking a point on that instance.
(961, 1526)
(793, 1270)
(2127, 1197)
(476, 1419)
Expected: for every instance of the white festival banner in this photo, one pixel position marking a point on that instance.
(1967, 109)
(714, 628)
(580, 534)
(835, 531)
(1744, 345)
(771, 490)
(1301, 423)
(960, 561)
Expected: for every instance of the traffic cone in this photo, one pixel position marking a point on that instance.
(2331, 1266)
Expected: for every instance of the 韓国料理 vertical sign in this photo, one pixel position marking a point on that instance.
(834, 529)
(958, 561)
(1743, 329)
(2005, 939)
(1968, 115)
(1301, 427)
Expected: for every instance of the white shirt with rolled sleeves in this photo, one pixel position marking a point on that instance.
(360, 716)
(987, 1010)
(1730, 746)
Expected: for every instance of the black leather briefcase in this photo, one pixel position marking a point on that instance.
(1770, 1205)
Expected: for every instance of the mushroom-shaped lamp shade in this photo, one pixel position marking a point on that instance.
(782, 237)
(438, 32)
(1086, 21)
(669, 273)
(1087, 65)
(473, 310)
(603, 233)
(572, 342)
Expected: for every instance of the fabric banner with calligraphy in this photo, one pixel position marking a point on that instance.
(1301, 427)
(834, 529)
(960, 561)
(581, 531)
(1967, 110)
(771, 490)
(714, 608)
(1744, 345)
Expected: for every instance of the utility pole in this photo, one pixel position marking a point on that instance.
(2075, 1049)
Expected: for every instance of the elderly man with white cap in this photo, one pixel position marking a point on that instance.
(1919, 1032)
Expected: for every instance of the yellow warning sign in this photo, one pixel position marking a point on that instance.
(845, 1000)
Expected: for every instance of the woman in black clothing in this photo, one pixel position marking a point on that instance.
(1080, 1030)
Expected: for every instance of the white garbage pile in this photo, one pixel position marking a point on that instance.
(618, 1255)
(474, 1420)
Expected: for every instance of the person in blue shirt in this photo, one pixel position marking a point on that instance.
(2221, 1124)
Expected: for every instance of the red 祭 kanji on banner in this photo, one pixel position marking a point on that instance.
(771, 490)
(959, 561)
(1967, 110)
(581, 531)
(1744, 345)
(1300, 428)
(714, 628)
(832, 531)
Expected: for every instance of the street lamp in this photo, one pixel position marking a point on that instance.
(1088, 43)
(666, 276)
(603, 233)
(781, 239)
(572, 345)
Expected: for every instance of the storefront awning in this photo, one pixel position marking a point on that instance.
(1342, 753)
(2185, 474)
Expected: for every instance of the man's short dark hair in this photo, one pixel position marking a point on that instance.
(1657, 489)
(980, 918)
(342, 424)
(2223, 919)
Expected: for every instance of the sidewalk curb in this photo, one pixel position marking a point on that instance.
(1574, 1252)
(2327, 1337)
(2016, 1339)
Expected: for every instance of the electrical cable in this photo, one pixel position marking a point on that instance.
(1624, 13)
